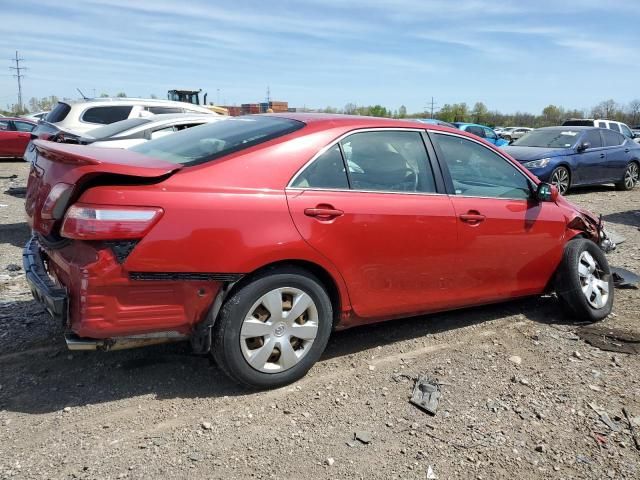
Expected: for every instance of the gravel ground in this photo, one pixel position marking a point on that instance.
(522, 395)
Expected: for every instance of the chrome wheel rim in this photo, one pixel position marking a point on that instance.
(592, 281)
(560, 179)
(279, 329)
(631, 176)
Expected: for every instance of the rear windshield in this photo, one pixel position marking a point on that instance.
(116, 128)
(555, 138)
(578, 123)
(58, 113)
(214, 140)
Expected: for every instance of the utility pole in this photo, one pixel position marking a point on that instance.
(432, 105)
(268, 94)
(19, 76)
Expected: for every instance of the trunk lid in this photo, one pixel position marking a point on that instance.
(74, 166)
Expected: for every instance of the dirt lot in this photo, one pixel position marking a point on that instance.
(517, 387)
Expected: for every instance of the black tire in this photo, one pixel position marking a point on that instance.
(226, 342)
(630, 177)
(569, 284)
(560, 173)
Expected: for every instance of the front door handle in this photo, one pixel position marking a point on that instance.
(472, 217)
(602, 155)
(626, 150)
(323, 212)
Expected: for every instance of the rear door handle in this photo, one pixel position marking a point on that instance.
(323, 212)
(602, 155)
(472, 217)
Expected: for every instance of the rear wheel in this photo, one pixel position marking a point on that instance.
(584, 283)
(630, 177)
(273, 329)
(561, 178)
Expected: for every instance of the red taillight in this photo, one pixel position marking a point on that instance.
(53, 206)
(108, 222)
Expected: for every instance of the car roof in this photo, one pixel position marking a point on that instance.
(572, 127)
(328, 120)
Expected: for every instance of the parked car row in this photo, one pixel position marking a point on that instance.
(255, 237)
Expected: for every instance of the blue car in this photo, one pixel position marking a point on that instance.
(483, 132)
(571, 156)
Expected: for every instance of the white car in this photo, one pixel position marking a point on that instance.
(85, 115)
(514, 133)
(134, 131)
(36, 116)
(619, 127)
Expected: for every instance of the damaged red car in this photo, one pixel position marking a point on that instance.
(256, 237)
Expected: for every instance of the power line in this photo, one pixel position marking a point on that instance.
(19, 76)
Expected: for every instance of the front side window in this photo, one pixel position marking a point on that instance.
(593, 137)
(5, 125)
(106, 115)
(326, 171)
(477, 171)
(612, 139)
(626, 131)
(391, 161)
(163, 110)
(488, 133)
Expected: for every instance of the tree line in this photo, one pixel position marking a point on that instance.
(455, 112)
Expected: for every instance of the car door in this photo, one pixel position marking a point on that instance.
(22, 136)
(7, 137)
(617, 149)
(382, 221)
(508, 244)
(590, 163)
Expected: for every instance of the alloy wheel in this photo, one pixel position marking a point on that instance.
(560, 179)
(594, 287)
(279, 330)
(631, 176)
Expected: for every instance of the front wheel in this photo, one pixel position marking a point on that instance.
(273, 329)
(630, 177)
(584, 283)
(561, 178)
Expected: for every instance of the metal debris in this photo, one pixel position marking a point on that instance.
(426, 395)
(361, 436)
(634, 433)
(623, 278)
(610, 339)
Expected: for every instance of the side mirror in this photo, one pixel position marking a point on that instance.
(547, 192)
(584, 146)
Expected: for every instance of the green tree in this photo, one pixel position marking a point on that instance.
(121, 95)
(402, 112)
(377, 111)
(104, 95)
(552, 115)
(480, 112)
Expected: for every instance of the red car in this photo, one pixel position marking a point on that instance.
(15, 134)
(257, 236)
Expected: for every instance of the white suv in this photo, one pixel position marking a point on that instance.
(619, 127)
(86, 115)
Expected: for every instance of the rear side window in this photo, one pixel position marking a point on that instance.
(593, 137)
(161, 110)
(478, 131)
(326, 171)
(214, 140)
(612, 139)
(602, 124)
(5, 125)
(59, 113)
(24, 126)
(106, 115)
(615, 127)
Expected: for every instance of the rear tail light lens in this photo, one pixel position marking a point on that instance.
(107, 222)
(53, 206)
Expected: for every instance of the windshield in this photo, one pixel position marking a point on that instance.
(556, 138)
(116, 128)
(214, 140)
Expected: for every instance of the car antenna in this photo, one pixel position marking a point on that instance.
(84, 97)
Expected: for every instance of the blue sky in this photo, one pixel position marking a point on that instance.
(512, 55)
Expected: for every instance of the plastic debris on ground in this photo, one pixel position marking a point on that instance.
(426, 395)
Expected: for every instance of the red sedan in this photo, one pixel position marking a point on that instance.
(257, 236)
(15, 134)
